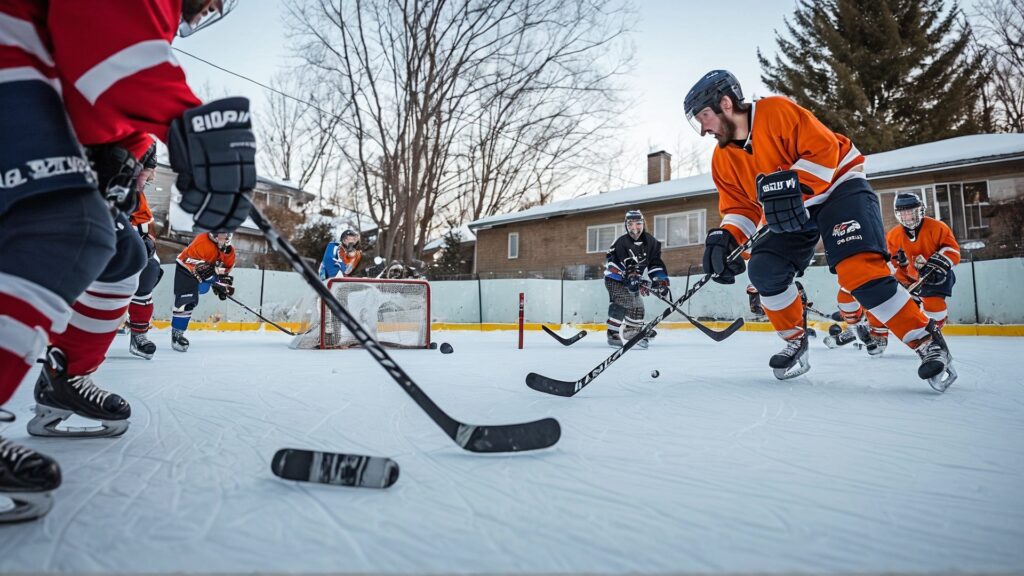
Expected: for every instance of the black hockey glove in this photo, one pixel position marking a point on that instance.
(717, 247)
(782, 198)
(225, 279)
(222, 290)
(632, 275)
(204, 271)
(660, 287)
(901, 259)
(213, 150)
(116, 173)
(936, 269)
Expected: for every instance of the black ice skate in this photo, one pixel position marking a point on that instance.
(838, 337)
(628, 334)
(27, 478)
(58, 396)
(178, 340)
(614, 340)
(792, 361)
(141, 345)
(875, 345)
(936, 361)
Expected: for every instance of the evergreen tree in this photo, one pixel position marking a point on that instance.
(886, 73)
(451, 261)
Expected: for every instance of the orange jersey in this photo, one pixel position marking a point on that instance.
(142, 216)
(783, 136)
(202, 249)
(933, 236)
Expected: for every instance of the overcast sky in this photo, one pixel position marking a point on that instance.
(677, 41)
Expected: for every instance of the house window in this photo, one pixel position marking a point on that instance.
(601, 237)
(513, 245)
(681, 228)
(962, 205)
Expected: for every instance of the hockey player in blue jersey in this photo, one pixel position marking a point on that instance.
(341, 258)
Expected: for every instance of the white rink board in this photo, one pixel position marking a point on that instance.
(715, 467)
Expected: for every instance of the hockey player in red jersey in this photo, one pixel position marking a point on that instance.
(775, 162)
(140, 311)
(98, 74)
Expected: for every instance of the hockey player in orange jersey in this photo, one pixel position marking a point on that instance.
(775, 162)
(919, 247)
(203, 265)
(140, 310)
(923, 248)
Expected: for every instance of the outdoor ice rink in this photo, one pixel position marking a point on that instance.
(714, 467)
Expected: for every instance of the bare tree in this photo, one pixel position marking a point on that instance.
(1000, 27)
(297, 138)
(460, 108)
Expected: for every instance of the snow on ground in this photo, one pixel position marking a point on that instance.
(713, 467)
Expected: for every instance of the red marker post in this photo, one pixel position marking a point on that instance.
(522, 305)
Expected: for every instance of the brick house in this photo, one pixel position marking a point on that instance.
(973, 183)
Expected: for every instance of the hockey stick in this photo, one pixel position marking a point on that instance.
(564, 341)
(713, 334)
(262, 317)
(568, 388)
(501, 438)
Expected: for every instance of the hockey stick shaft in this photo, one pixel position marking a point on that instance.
(262, 317)
(501, 438)
(715, 335)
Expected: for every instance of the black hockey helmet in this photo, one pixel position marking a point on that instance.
(351, 245)
(708, 92)
(909, 209)
(634, 216)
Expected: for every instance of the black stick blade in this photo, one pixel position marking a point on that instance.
(551, 386)
(334, 468)
(719, 336)
(509, 437)
(564, 341)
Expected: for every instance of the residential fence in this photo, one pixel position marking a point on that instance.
(986, 292)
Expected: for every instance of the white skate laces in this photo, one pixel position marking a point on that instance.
(86, 389)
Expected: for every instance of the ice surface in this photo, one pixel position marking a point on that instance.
(713, 467)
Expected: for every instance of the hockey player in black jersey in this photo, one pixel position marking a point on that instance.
(632, 254)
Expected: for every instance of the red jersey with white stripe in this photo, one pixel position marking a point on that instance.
(110, 59)
(783, 136)
(933, 236)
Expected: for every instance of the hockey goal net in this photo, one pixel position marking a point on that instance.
(395, 312)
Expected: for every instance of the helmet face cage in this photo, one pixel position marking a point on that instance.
(351, 245)
(634, 216)
(221, 243)
(192, 21)
(909, 210)
(708, 93)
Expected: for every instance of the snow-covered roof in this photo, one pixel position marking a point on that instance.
(465, 235)
(960, 151)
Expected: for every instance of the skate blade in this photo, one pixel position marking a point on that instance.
(24, 506)
(942, 381)
(179, 348)
(798, 369)
(140, 353)
(830, 342)
(47, 420)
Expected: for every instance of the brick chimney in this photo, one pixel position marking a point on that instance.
(659, 167)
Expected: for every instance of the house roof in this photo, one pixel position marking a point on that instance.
(942, 154)
(465, 236)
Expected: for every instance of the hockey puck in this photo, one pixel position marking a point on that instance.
(655, 373)
(446, 348)
(433, 345)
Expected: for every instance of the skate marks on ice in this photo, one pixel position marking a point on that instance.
(713, 467)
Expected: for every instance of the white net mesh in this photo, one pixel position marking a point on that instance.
(395, 312)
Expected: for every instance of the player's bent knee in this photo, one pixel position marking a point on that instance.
(769, 274)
